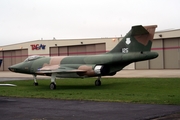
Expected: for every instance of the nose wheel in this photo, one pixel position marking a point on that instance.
(35, 80)
(98, 81)
(52, 86)
(35, 83)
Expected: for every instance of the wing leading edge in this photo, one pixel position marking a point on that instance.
(58, 69)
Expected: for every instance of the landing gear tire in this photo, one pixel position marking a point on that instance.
(97, 83)
(52, 86)
(35, 84)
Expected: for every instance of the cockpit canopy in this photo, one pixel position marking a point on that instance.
(31, 58)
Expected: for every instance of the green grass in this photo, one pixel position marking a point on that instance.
(136, 90)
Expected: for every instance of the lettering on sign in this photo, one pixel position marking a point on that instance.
(38, 46)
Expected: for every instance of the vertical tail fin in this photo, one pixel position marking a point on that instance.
(138, 39)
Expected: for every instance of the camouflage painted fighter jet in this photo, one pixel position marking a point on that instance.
(135, 46)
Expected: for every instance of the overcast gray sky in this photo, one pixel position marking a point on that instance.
(27, 20)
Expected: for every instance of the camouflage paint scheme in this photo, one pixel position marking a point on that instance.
(135, 46)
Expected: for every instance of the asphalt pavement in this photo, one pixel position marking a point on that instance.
(48, 109)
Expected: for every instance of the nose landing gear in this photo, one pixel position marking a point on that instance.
(35, 80)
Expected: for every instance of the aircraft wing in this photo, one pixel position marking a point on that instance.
(58, 69)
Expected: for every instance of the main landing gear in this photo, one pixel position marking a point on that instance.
(98, 81)
(52, 86)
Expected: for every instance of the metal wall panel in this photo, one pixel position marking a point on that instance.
(1, 56)
(7, 60)
(100, 48)
(90, 49)
(87, 49)
(171, 54)
(78, 50)
(13, 56)
(142, 65)
(157, 63)
(54, 51)
(82, 50)
(63, 51)
(24, 54)
(73, 50)
(18, 56)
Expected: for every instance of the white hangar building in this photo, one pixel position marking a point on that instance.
(166, 43)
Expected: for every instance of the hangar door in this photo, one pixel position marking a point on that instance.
(156, 63)
(11, 57)
(90, 49)
(169, 55)
(172, 53)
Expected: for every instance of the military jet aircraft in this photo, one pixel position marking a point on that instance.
(5, 84)
(135, 46)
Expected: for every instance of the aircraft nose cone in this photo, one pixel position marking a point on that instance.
(17, 68)
(11, 68)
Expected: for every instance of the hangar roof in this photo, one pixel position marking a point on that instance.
(173, 33)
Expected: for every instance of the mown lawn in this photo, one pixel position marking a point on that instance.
(136, 90)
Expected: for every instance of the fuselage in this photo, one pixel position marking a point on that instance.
(110, 63)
